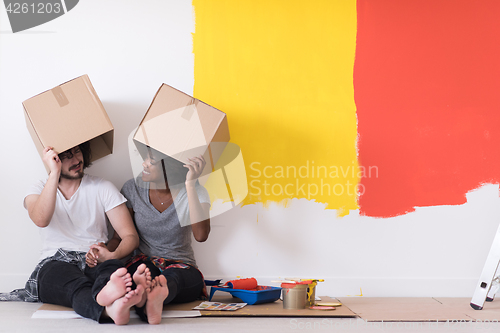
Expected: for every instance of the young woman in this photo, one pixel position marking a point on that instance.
(167, 204)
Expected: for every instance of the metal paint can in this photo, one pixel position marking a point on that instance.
(294, 295)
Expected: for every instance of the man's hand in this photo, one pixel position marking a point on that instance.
(97, 254)
(51, 159)
(41, 207)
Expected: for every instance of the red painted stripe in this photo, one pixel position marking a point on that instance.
(427, 92)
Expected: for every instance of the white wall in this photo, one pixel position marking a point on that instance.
(128, 48)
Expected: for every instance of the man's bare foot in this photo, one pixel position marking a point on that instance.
(142, 277)
(119, 311)
(118, 285)
(154, 305)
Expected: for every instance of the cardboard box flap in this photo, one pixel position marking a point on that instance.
(212, 120)
(101, 146)
(222, 133)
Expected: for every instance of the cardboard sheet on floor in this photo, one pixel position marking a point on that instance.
(367, 308)
(490, 311)
(50, 311)
(274, 309)
(407, 309)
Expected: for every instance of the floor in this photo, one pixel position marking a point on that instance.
(16, 317)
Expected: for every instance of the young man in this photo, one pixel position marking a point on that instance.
(71, 208)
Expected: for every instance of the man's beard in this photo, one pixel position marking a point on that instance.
(79, 174)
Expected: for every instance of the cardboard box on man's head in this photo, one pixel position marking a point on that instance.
(68, 115)
(182, 127)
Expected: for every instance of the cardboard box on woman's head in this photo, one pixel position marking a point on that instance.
(182, 127)
(68, 115)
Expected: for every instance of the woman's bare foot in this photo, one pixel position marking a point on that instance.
(154, 305)
(119, 311)
(142, 277)
(118, 285)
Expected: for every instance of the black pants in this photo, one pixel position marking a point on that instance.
(184, 284)
(64, 284)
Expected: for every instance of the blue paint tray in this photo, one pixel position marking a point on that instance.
(262, 294)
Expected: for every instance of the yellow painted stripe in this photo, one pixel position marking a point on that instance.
(283, 71)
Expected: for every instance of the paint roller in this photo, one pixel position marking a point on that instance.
(245, 284)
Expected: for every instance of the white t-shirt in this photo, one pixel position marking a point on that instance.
(80, 221)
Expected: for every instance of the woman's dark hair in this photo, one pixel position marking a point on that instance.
(174, 172)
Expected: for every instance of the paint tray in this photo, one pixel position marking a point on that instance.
(262, 294)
